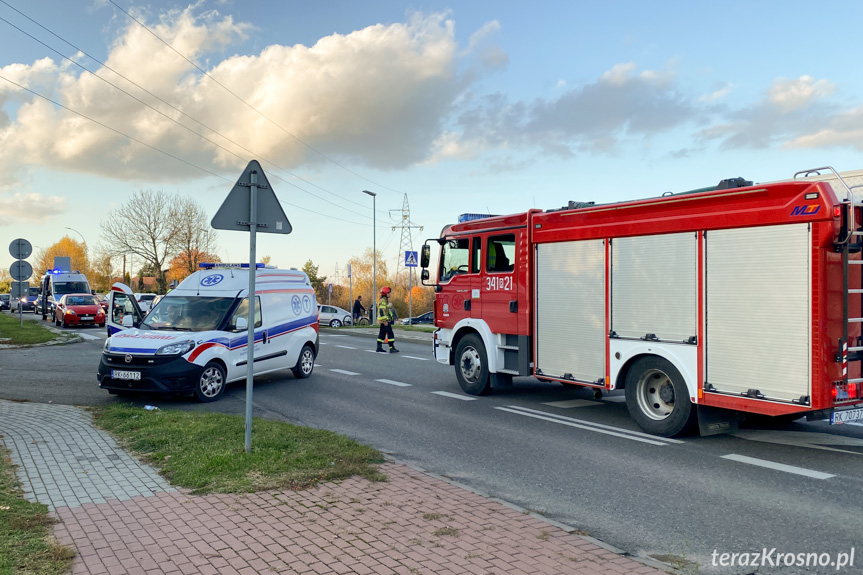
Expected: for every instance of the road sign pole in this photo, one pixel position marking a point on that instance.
(254, 188)
(250, 339)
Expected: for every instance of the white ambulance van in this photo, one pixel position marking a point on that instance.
(195, 339)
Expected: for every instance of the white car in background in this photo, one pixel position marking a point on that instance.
(333, 316)
(145, 301)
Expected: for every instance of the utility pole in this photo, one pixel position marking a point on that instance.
(406, 245)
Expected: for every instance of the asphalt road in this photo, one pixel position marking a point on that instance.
(548, 448)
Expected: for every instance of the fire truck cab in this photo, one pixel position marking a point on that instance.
(702, 306)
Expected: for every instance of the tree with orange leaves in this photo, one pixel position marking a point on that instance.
(66, 247)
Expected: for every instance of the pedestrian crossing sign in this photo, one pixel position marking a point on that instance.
(410, 259)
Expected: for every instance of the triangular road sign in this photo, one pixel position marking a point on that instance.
(234, 213)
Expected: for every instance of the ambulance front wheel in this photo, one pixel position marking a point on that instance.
(657, 397)
(471, 368)
(305, 364)
(211, 383)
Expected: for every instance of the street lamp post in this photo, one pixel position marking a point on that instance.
(83, 241)
(373, 311)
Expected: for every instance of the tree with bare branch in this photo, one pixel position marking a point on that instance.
(149, 227)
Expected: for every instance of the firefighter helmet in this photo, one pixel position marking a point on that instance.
(385, 291)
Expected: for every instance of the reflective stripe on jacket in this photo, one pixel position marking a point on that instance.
(384, 311)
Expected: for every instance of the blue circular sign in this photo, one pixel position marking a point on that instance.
(307, 303)
(212, 279)
(296, 305)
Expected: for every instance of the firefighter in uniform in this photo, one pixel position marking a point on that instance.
(385, 319)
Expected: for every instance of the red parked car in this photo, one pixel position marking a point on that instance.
(78, 309)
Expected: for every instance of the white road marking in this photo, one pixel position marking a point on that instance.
(414, 357)
(590, 426)
(615, 398)
(573, 403)
(778, 466)
(317, 365)
(346, 346)
(345, 372)
(89, 336)
(396, 383)
(332, 335)
(455, 395)
(809, 439)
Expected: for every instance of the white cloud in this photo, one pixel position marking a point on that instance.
(376, 96)
(30, 208)
(618, 74)
(790, 95)
(844, 130)
(717, 94)
(621, 103)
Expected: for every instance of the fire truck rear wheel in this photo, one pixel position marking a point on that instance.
(657, 397)
(471, 367)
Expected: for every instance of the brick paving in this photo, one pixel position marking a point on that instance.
(414, 523)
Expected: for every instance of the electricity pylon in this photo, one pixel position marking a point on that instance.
(407, 239)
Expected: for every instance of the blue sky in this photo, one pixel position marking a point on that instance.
(480, 106)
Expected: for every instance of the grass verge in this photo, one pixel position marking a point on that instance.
(204, 451)
(29, 333)
(26, 543)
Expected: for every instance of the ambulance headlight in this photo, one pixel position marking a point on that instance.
(179, 348)
(107, 345)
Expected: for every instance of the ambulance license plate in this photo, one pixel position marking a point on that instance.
(117, 374)
(839, 417)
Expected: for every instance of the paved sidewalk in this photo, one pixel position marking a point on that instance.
(121, 517)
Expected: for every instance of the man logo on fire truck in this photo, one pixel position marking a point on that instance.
(702, 306)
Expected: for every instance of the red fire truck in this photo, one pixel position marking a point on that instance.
(702, 306)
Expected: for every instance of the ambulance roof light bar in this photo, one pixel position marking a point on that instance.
(209, 266)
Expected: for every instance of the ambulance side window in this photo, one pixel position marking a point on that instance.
(455, 258)
(500, 254)
(243, 311)
(123, 307)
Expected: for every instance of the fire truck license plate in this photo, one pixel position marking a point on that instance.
(117, 374)
(838, 417)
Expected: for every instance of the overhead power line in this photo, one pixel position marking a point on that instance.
(214, 131)
(156, 149)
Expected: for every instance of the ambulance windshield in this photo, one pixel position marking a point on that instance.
(61, 288)
(188, 313)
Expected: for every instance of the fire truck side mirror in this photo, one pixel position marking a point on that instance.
(424, 275)
(425, 256)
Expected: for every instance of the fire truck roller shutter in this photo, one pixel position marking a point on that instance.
(759, 311)
(654, 287)
(570, 310)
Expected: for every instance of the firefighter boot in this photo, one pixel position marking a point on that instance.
(393, 349)
(380, 349)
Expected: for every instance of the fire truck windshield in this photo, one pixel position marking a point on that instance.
(455, 258)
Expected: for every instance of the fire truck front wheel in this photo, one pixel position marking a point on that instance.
(657, 397)
(471, 366)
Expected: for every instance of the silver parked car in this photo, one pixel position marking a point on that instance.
(333, 316)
